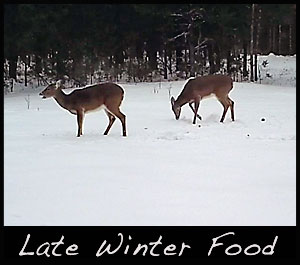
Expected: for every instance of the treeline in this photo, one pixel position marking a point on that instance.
(140, 42)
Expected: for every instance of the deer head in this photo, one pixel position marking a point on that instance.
(51, 90)
(176, 108)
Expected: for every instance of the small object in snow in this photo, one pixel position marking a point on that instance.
(146, 128)
(263, 119)
(248, 135)
(199, 125)
(265, 63)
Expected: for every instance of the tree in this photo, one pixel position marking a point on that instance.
(90, 43)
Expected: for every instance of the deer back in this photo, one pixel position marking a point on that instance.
(95, 96)
(204, 86)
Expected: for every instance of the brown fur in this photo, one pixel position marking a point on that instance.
(81, 101)
(201, 87)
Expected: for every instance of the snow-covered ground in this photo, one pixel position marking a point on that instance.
(166, 172)
(277, 70)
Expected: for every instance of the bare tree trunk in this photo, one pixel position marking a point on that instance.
(218, 59)
(38, 65)
(12, 81)
(186, 62)
(252, 44)
(52, 59)
(279, 38)
(290, 39)
(257, 44)
(203, 62)
(229, 61)
(274, 39)
(270, 40)
(258, 30)
(170, 62)
(152, 54)
(255, 67)
(165, 64)
(12, 70)
(28, 61)
(198, 59)
(192, 58)
(178, 58)
(245, 71)
(211, 59)
(25, 70)
(91, 78)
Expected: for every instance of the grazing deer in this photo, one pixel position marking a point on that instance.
(202, 87)
(91, 98)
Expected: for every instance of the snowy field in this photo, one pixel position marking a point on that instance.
(166, 172)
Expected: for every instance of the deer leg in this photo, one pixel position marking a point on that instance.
(112, 119)
(120, 116)
(80, 116)
(191, 106)
(225, 106)
(231, 104)
(197, 103)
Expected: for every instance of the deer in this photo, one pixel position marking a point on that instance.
(202, 87)
(90, 98)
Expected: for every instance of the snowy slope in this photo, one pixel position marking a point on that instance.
(166, 172)
(277, 70)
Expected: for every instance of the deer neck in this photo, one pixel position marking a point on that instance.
(62, 99)
(180, 101)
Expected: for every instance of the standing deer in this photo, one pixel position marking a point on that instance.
(95, 97)
(202, 87)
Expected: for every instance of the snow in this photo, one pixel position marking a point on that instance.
(279, 70)
(166, 172)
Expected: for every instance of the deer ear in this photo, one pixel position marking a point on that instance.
(58, 84)
(172, 100)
